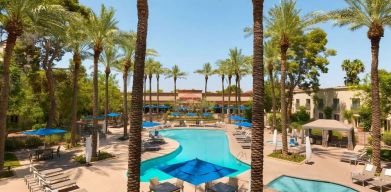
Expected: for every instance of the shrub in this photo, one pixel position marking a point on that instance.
(33, 142)
(301, 116)
(12, 144)
(278, 121)
(316, 132)
(365, 118)
(296, 125)
(101, 156)
(328, 112)
(52, 139)
(348, 115)
(386, 138)
(38, 126)
(370, 139)
(67, 137)
(337, 134)
(290, 157)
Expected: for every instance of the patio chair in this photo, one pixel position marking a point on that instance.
(208, 185)
(383, 181)
(60, 186)
(246, 145)
(241, 137)
(239, 132)
(153, 182)
(368, 173)
(233, 181)
(80, 190)
(58, 151)
(179, 184)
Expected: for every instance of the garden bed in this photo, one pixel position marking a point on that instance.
(296, 158)
(101, 156)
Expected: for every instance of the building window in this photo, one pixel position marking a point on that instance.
(308, 104)
(320, 116)
(335, 104)
(336, 117)
(297, 104)
(320, 104)
(355, 104)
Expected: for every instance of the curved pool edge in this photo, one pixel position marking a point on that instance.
(310, 179)
(172, 147)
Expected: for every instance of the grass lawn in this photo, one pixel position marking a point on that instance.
(11, 160)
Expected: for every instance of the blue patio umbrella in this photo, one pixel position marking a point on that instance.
(244, 124)
(238, 118)
(163, 107)
(206, 114)
(191, 114)
(197, 171)
(148, 124)
(44, 132)
(175, 114)
(113, 114)
(242, 107)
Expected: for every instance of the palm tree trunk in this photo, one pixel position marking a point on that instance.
(157, 95)
(52, 96)
(77, 63)
(239, 95)
(150, 98)
(284, 48)
(137, 100)
(229, 99)
(236, 94)
(174, 93)
(274, 105)
(95, 108)
(223, 99)
(258, 99)
(206, 92)
(125, 102)
(107, 71)
(5, 86)
(376, 114)
(145, 89)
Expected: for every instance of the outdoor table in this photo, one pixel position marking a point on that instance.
(165, 187)
(222, 187)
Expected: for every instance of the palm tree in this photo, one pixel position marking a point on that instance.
(149, 71)
(258, 100)
(230, 72)
(159, 70)
(270, 56)
(77, 44)
(108, 58)
(206, 71)
(175, 73)
(221, 71)
(375, 15)
(100, 30)
(283, 24)
(352, 68)
(127, 43)
(16, 17)
(137, 99)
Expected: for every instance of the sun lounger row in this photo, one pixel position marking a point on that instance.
(367, 176)
(243, 137)
(355, 158)
(51, 180)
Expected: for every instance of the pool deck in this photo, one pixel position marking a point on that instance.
(109, 175)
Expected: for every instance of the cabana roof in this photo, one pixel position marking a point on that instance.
(327, 124)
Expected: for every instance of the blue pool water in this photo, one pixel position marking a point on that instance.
(293, 184)
(207, 145)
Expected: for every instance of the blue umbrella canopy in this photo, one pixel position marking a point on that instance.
(191, 114)
(44, 132)
(197, 171)
(163, 107)
(238, 118)
(113, 114)
(175, 114)
(244, 124)
(206, 114)
(147, 124)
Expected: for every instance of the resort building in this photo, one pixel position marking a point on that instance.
(336, 100)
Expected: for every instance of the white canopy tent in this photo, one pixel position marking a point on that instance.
(326, 125)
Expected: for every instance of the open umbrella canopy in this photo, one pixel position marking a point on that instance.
(44, 132)
(191, 114)
(113, 114)
(175, 114)
(244, 124)
(163, 107)
(197, 171)
(206, 114)
(238, 118)
(147, 124)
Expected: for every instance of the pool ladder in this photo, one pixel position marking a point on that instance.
(240, 156)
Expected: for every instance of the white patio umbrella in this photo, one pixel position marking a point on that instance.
(275, 137)
(308, 150)
(88, 149)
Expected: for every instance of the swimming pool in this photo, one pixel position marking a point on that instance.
(293, 184)
(207, 145)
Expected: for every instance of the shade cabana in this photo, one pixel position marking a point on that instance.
(326, 126)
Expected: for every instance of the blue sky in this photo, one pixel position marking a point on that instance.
(192, 32)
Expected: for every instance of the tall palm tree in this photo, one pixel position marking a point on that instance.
(221, 71)
(16, 17)
(352, 69)
(375, 15)
(77, 44)
(238, 62)
(270, 56)
(258, 99)
(149, 71)
(127, 43)
(206, 71)
(230, 72)
(283, 24)
(108, 58)
(175, 73)
(159, 70)
(100, 30)
(137, 99)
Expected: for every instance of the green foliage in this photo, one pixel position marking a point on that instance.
(248, 113)
(365, 117)
(278, 120)
(337, 134)
(38, 126)
(67, 137)
(385, 154)
(353, 69)
(317, 132)
(101, 156)
(348, 115)
(301, 116)
(290, 157)
(13, 144)
(11, 160)
(296, 125)
(386, 138)
(328, 112)
(52, 139)
(33, 142)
